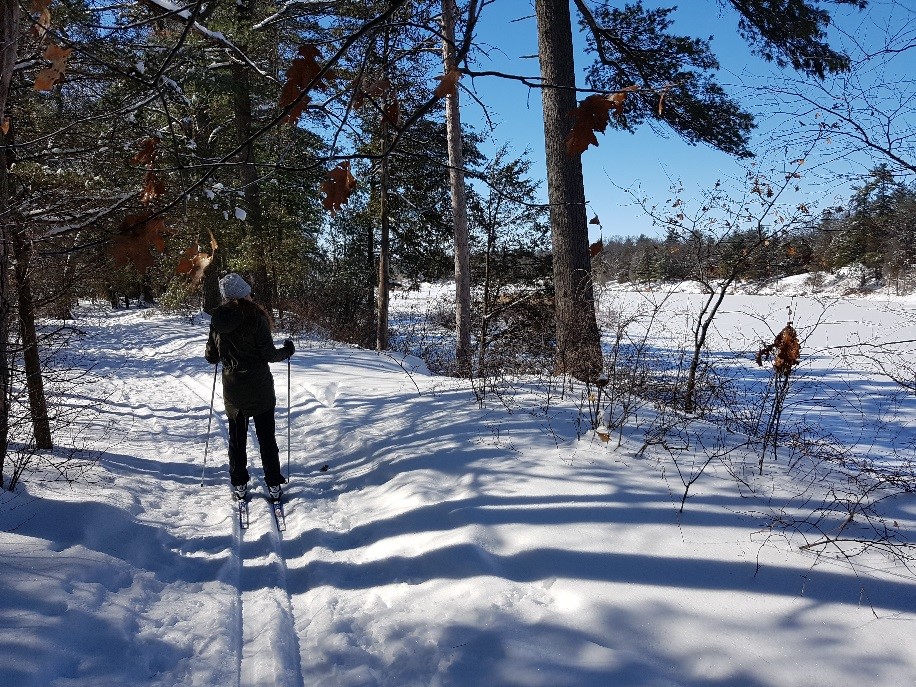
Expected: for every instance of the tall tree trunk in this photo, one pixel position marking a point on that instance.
(61, 307)
(368, 333)
(381, 330)
(210, 296)
(459, 198)
(9, 38)
(5, 307)
(485, 304)
(254, 219)
(38, 407)
(210, 284)
(578, 344)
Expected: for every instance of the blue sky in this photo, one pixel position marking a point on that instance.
(647, 162)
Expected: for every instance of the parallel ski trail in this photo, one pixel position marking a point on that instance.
(262, 624)
(238, 621)
(173, 399)
(269, 655)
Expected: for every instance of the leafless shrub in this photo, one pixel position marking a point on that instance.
(851, 504)
(66, 378)
(425, 329)
(515, 339)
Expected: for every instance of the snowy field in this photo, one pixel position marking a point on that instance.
(448, 544)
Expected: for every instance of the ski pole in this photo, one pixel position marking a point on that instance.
(288, 394)
(209, 424)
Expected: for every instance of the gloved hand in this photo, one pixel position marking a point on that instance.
(290, 348)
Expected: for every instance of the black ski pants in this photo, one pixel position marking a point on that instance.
(265, 428)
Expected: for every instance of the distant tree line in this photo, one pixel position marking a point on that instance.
(875, 230)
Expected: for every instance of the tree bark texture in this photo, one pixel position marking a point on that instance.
(485, 304)
(381, 330)
(578, 341)
(459, 199)
(38, 406)
(9, 41)
(368, 333)
(250, 183)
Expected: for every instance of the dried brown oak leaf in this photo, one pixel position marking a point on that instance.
(194, 262)
(593, 114)
(153, 187)
(374, 89)
(300, 76)
(788, 351)
(48, 78)
(137, 238)
(147, 153)
(596, 248)
(43, 22)
(393, 112)
(448, 84)
(337, 187)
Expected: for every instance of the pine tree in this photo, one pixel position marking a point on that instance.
(666, 78)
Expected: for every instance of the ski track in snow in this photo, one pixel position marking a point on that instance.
(269, 654)
(265, 636)
(277, 633)
(261, 624)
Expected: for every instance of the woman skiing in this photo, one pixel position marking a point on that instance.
(240, 339)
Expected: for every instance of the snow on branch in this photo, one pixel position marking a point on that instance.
(215, 36)
(287, 7)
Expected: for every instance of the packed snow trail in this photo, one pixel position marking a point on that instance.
(448, 545)
(269, 655)
(268, 651)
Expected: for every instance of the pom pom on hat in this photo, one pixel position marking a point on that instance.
(232, 286)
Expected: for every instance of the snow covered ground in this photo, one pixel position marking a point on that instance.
(447, 544)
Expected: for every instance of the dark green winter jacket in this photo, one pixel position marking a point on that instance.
(240, 339)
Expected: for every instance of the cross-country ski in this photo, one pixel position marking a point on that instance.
(277, 508)
(241, 507)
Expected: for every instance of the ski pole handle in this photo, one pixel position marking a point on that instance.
(209, 424)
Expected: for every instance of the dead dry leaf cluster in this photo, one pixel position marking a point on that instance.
(787, 349)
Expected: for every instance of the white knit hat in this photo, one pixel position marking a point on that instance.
(232, 286)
